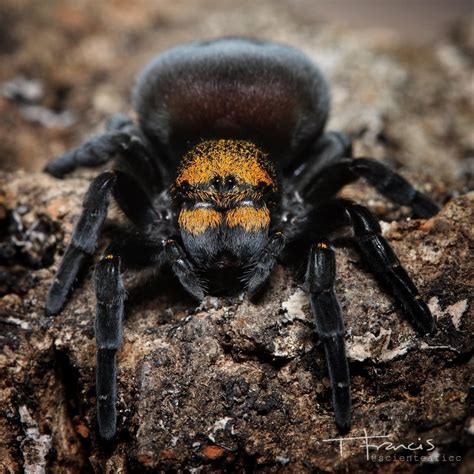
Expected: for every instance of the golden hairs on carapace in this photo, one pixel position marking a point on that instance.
(220, 158)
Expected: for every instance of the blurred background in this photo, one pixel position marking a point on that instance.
(417, 20)
(65, 66)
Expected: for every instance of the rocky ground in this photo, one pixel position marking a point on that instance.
(230, 384)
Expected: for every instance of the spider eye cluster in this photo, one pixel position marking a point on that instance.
(223, 184)
(225, 166)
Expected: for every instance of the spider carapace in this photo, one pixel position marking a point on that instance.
(228, 165)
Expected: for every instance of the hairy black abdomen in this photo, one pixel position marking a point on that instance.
(232, 88)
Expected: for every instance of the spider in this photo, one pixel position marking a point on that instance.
(228, 167)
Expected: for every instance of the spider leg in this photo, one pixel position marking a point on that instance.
(382, 260)
(97, 150)
(110, 296)
(334, 166)
(133, 200)
(83, 242)
(319, 282)
(393, 186)
(259, 269)
(324, 157)
(119, 122)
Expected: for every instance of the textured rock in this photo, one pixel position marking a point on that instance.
(230, 383)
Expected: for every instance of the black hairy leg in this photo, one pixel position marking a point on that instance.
(377, 253)
(110, 296)
(382, 260)
(334, 167)
(134, 202)
(83, 242)
(319, 283)
(259, 269)
(393, 186)
(96, 151)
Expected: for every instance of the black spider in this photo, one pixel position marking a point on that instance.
(229, 163)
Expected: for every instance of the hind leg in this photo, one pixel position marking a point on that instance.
(332, 166)
(96, 151)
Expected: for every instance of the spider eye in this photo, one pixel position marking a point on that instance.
(263, 187)
(216, 183)
(230, 182)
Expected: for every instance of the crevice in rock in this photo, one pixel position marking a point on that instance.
(78, 437)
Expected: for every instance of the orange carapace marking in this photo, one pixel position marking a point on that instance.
(238, 158)
(242, 160)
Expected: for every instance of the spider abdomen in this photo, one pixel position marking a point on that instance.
(232, 88)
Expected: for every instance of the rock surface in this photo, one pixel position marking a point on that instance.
(230, 384)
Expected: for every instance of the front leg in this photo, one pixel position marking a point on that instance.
(110, 296)
(329, 219)
(319, 283)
